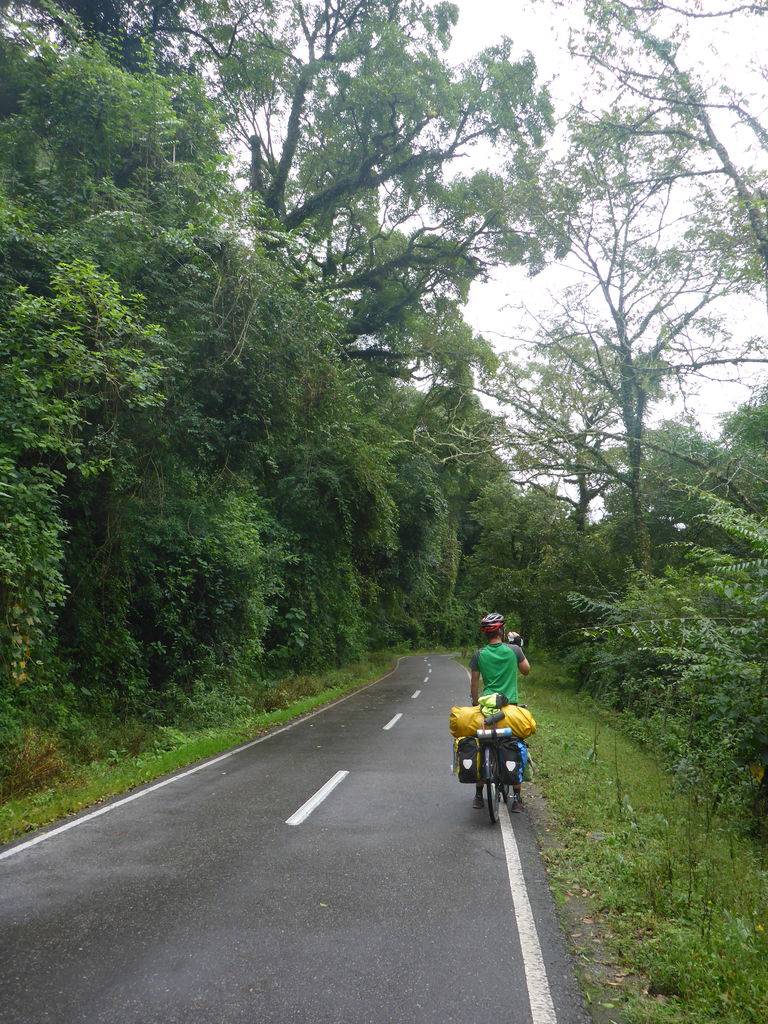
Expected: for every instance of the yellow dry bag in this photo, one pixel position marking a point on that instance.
(466, 721)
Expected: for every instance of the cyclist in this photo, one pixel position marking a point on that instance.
(497, 665)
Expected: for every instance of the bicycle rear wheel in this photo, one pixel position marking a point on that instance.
(493, 792)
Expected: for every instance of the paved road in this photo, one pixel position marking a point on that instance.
(391, 902)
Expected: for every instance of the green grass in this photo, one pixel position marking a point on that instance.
(144, 755)
(665, 896)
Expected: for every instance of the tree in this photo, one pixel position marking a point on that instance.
(124, 26)
(642, 49)
(745, 434)
(527, 558)
(78, 355)
(563, 423)
(643, 321)
(354, 126)
(232, 470)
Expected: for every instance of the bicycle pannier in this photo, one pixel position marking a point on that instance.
(512, 757)
(467, 757)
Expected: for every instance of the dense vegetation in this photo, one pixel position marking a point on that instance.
(241, 431)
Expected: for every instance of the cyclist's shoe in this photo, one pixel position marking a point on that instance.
(517, 803)
(478, 800)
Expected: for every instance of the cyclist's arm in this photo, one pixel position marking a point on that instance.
(474, 686)
(523, 666)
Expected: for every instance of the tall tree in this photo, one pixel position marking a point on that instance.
(644, 50)
(563, 421)
(355, 126)
(644, 319)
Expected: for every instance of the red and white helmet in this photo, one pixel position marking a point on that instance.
(492, 623)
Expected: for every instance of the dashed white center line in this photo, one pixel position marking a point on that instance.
(394, 721)
(426, 679)
(314, 801)
(20, 847)
(414, 695)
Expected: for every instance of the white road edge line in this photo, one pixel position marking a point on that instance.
(396, 719)
(416, 694)
(190, 771)
(314, 801)
(539, 995)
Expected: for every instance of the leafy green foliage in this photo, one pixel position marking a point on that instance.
(688, 653)
(200, 490)
(81, 353)
(365, 169)
(527, 558)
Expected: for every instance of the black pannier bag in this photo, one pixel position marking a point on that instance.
(468, 759)
(511, 761)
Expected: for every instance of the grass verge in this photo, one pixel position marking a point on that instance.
(165, 750)
(664, 897)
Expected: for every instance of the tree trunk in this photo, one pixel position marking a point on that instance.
(641, 538)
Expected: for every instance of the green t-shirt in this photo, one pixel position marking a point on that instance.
(497, 664)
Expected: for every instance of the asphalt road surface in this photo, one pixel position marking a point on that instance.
(331, 872)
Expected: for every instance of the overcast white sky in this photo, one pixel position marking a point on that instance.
(542, 26)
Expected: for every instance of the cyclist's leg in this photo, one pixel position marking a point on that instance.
(517, 784)
(484, 769)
